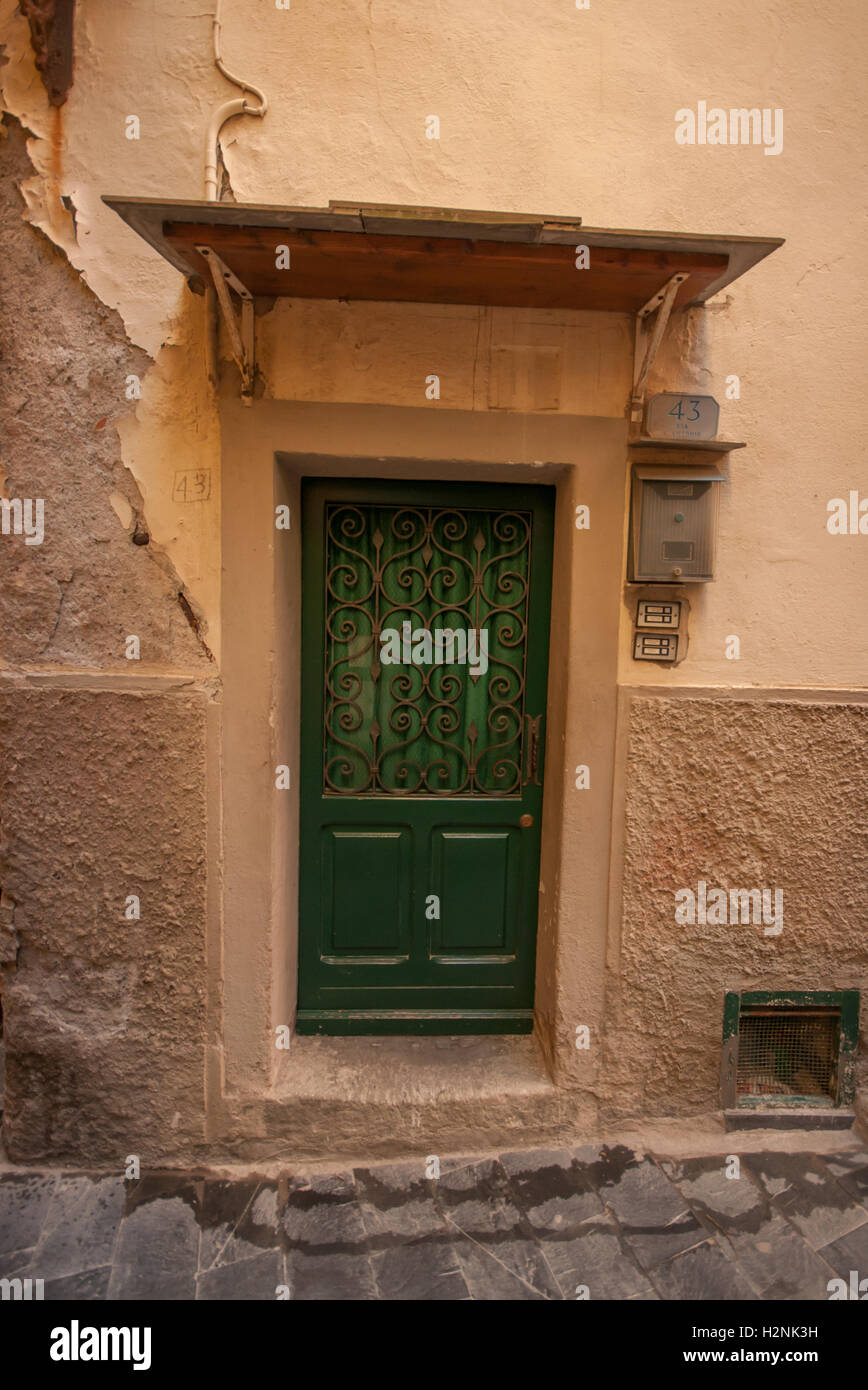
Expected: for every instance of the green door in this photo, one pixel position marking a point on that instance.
(424, 658)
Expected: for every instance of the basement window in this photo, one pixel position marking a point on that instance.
(789, 1049)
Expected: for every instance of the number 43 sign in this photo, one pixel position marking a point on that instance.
(672, 416)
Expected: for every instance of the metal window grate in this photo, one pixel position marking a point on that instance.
(788, 1053)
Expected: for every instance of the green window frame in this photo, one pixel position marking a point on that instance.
(740, 1002)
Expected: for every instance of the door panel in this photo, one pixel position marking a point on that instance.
(476, 877)
(424, 656)
(372, 866)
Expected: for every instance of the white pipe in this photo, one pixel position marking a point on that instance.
(240, 106)
(215, 125)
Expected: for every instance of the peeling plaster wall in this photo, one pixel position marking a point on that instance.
(78, 153)
(102, 793)
(73, 600)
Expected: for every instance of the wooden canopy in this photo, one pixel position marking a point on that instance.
(438, 255)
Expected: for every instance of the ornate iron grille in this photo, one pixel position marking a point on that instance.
(788, 1053)
(424, 727)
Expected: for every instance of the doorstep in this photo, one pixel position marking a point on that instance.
(382, 1096)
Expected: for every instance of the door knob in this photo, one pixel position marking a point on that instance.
(525, 821)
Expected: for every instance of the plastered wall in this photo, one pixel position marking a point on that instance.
(543, 108)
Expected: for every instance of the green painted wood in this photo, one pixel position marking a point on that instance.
(796, 998)
(374, 954)
(439, 1022)
(731, 1008)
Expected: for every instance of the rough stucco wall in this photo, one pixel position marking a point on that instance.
(743, 794)
(103, 796)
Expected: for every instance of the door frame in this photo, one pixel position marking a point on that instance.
(253, 725)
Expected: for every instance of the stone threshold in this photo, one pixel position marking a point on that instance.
(406, 1070)
(338, 1097)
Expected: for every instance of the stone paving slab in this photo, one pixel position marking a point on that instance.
(779, 1264)
(243, 1280)
(238, 1222)
(496, 1243)
(420, 1270)
(851, 1171)
(24, 1204)
(595, 1257)
(157, 1252)
(80, 1227)
(808, 1195)
(654, 1216)
(848, 1252)
(770, 1251)
(702, 1271)
(602, 1223)
(325, 1240)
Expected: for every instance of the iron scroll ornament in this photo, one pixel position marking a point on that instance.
(411, 728)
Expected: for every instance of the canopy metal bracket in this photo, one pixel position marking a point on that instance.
(241, 335)
(647, 342)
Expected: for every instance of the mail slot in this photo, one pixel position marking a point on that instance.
(673, 524)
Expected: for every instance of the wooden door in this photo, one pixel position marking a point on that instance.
(424, 660)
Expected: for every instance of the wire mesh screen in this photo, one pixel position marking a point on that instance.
(788, 1054)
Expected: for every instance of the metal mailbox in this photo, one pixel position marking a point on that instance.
(673, 524)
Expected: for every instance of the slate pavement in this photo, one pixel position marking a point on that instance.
(597, 1223)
